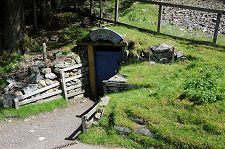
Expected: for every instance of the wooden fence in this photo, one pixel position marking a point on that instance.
(44, 95)
(161, 4)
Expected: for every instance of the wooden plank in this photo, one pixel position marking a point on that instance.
(91, 60)
(116, 10)
(74, 77)
(159, 18)
(216, 29)
(73, 87)
(184, 6)
(72, 67)
(38, 91)
(63, 84)
(91, 112)
(44, 52)
(39, 97)
(115, 84)
(75, 94)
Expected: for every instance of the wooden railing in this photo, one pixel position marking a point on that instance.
(161, 4)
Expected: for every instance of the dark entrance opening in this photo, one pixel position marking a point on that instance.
(107, 64)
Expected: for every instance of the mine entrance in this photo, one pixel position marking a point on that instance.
(107, 63)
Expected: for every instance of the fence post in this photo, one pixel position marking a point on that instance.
(216, 28)
(101, 12)
(159, 18)
(44, 52)
(116, 10)
(63, 84)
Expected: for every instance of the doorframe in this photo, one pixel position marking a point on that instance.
(91, 62)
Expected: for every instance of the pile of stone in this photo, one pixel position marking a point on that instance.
(164, 54)
(34, 74)
(192, 19)
(117, 83)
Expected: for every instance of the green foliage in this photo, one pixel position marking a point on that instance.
(203, 86)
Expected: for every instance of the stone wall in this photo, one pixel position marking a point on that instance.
(34, 74)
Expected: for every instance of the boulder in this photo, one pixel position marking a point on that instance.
(51, 76)
(29, 88)
(144, 131)
(162, 48)
(46, 70)
(35, 78)
(34, 70)
(6, 100)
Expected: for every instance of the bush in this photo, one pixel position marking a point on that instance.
(204, 86)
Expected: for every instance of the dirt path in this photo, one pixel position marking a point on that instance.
(45, 131)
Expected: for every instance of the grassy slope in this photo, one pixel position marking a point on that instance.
(177, 123)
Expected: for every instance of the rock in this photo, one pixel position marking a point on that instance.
(67, 64)
(164, 60)
(30, 88)
(34, 70)
(138, 120)
(6, 101)
(123, 129)
(8, 88)
(118, 79)
(54, 38)
(59, 65)
(46, 70)
(162, 48)
(144, 131)
(104, 101)
(49, 82)
(51, 76)
(169, 54)
(40, 64)
(66, 75)
(98, 115)
(42, 83)
(180, 54)
(18, 93)
(35, 78)
(13, 83)
(77, 59)
(58, 55)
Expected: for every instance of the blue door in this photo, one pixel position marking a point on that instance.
(107, 61)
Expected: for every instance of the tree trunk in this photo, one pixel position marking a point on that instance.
(14, 30)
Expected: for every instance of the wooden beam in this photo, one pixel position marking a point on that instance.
(184, 6)
(91, 60)
(216, 29)
(72, 67)
(116, 10)
(159, 18)
(40, 97)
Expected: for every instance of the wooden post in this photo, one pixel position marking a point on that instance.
(63, 84)
(35, 14)
(159, 18)
(84, 123)
(91, 60)
(116, 10)
(216, 28)
(44, 52)
(101, 12)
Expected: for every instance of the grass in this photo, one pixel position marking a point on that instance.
(177, 122)
(26, 111)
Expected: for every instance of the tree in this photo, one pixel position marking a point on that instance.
(13, 33)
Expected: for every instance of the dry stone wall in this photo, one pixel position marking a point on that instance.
(34, 75)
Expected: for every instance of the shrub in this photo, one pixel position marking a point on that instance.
(204, 87)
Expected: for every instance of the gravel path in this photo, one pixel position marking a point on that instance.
(45, 131)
